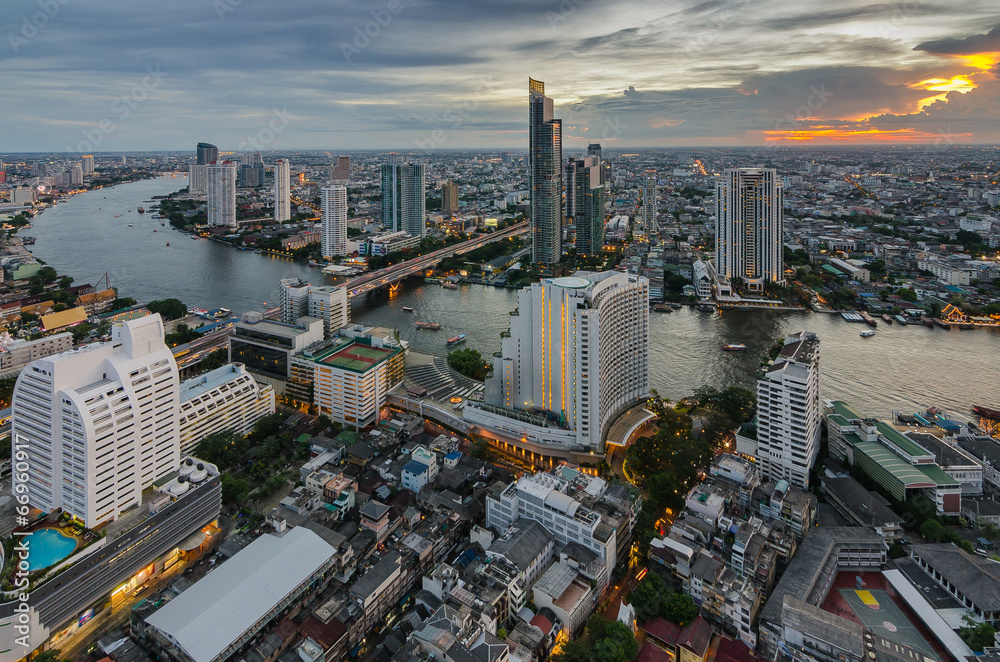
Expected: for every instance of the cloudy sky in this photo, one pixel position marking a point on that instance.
(102, 75)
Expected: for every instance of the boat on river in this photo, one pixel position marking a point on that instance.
(457, 340)
(734, 347)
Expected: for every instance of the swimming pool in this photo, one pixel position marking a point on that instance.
(47, 547)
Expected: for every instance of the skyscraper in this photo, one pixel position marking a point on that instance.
(333, 202)
(282, 191)
(749, 226)
(99, 424)
(544, 176)
(328, 303)
(577, 350)
(88, 164)
(594, 149)
(588, 196)
(221, 196)
(207, 153)
(403, 202)
(197, 179)
(788, 411)
(293, 296)
(649, 205)
(340, 173)
(449, 198)
(76, 174)
(251, 159)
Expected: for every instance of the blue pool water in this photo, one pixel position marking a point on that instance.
(48, 547)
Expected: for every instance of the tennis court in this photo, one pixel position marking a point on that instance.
(880, 614)
(356, 357)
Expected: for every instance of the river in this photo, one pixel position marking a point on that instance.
(901, 368)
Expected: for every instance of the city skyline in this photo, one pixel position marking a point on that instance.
(349, 77)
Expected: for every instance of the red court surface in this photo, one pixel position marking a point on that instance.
(837, 603)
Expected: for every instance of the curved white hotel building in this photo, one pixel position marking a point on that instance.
(576, 354)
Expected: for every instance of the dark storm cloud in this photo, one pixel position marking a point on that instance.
(980, 43)
(384, 72)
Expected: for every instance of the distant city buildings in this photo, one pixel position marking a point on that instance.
(449, 198)
(76, 175)
(404, 207)
(207, 153)
(87, 163)
(99, 425)
(749, 227)
(333, 202)
(649, 205)
(576, 354)
(221, 194)
(340, 173)
(789, 413)
(282, 191)
(544, 176)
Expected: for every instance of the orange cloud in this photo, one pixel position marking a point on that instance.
(859, 135)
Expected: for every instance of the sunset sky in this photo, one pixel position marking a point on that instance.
(408, 74)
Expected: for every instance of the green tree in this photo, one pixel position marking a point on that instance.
(907, 294)
(468, 362)
(268, 426)
(933, 530)
(679, 608)
(575, 650)
(169, 309)
(647, 597)
(977, 635)
(234, 490)
(224, 449)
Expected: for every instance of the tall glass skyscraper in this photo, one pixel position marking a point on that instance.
(207, 153)
(749, 226)
(403, 201)
(282, 191)
(588, 193)
(544, 176)
(334, 228)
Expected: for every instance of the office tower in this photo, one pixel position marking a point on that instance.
(197, 179)
(578, 350)
(329, 303)
(294, 299)
(333, 202)
(221, 195)
(594, 149)
(254, 159)
(403, 205)
(507, 158)
(99, 425)
(76, 174)
(449, 198)
(282, 191)
(251, 176)
(207, 153)
(569, 182)
(22, 195)
(649, 205)
(340, 173)
(588, 196)
(788, 411)
(88, 164)
(544, 176)
(748, 232)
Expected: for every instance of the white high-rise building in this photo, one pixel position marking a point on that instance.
(294, 298)
(88, 163)
(99, 425)
(197, 179)
(649, 205)
(22, 195)
(748, 226)
(577, 353)
(328, 303)
(221, 197)
(282, 191)
(334, 229)
(75, 174)
(789, 412)
(251, 159)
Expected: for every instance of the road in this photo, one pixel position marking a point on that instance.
(376, 279)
